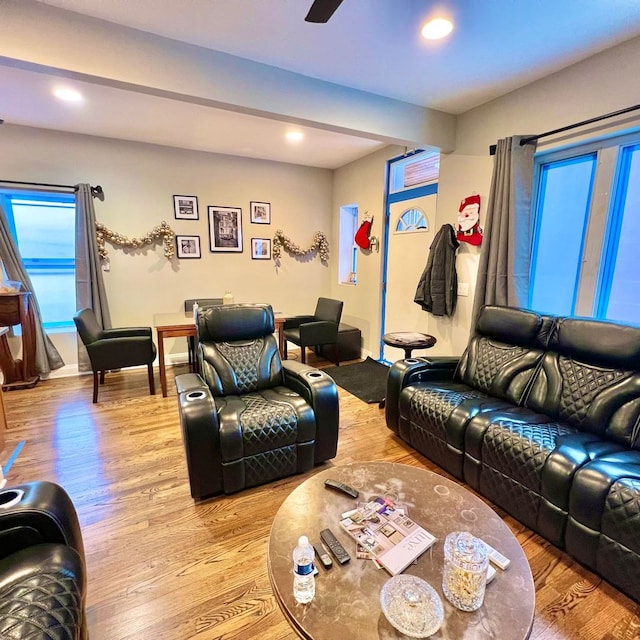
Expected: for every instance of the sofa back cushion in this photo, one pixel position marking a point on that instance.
(504, 351)
(238, 352)
(590, 379)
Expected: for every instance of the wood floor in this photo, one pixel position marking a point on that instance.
(161, 567)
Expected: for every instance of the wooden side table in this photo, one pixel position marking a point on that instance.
(408, 340)
(15, 308)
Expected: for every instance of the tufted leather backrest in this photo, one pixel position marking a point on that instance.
(503, 353)
(238, 351)
(590, 379)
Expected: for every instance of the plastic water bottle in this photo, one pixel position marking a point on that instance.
(304, 585)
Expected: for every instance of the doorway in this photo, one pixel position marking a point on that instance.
(410, 215)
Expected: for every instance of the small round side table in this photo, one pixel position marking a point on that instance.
(408, 340)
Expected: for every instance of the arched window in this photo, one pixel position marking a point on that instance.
(412, 220)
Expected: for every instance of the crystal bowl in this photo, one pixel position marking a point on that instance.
(412, 606)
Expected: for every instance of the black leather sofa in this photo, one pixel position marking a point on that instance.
(542, 416)
(42, 571)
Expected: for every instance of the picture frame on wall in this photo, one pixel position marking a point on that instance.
(185, 207)
(260, 248)
(188, 247)
(260, 212)
(225, 229)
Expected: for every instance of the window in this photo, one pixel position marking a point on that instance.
(586, 231)
(43, 225)
(412, 220)
(414, 171)
(348, 256)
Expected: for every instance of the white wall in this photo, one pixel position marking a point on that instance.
(139, 181)
(361, 183)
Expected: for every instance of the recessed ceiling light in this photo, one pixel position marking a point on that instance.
(294, 136)
(68, 95)
(437, 28)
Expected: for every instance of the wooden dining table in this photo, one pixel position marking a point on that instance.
(182, 324)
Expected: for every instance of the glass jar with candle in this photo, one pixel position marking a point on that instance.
(465, 570)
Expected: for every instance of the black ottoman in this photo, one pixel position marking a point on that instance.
(349, 345)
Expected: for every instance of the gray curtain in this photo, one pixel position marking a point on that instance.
(90, 291)
(503, 272)
(47, 356)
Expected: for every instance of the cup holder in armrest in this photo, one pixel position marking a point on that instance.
(314, 375)
(10, 498)
(195, 395)
(412, 360)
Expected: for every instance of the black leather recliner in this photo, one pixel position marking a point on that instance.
(111, 349)
(42, 570)
(248, 418)
(315, 331)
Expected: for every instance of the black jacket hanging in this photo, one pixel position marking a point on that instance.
(438, 286)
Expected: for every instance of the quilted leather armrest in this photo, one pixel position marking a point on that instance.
(405, 372)
(201, 435)
(44, 514)
(42, 592)
(321, 392)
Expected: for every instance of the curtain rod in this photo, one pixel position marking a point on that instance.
(96, 191)
(613, 114)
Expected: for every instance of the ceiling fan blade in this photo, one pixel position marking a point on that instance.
(322, 10)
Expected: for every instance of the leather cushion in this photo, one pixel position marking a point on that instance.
(617, 346)
(228, 323)
(42, 594)
(261, 422)
(509, 325)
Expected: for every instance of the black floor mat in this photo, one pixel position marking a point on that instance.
(366, 380)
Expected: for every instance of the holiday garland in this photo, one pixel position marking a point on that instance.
(163, 231)
(319, 244)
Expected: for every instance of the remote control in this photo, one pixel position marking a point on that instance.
(340, 486)
(496, 557)
(339, 552)
(323, 556)
(491, 574)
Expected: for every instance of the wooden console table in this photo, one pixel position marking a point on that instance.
(15, 309)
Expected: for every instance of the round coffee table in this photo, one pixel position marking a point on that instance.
(347, 601)
(408, 340)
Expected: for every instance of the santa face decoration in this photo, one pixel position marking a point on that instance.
(469, 221)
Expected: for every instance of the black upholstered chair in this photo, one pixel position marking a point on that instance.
(111, 349)
(42, 567)
(314, 331)
(248, 418)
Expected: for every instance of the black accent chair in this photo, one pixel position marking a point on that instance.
(248, 418)
(111, 349)
(317, 330)
(42, 568)
(191, 341)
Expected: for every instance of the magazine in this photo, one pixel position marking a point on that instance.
(386, 532)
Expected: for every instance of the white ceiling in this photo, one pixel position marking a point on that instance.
(371, 45)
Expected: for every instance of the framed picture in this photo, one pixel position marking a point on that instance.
(188, 247)
(260, 212)
(261, 248)
(185, 207)
(225, 229)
